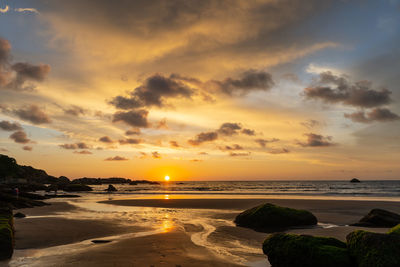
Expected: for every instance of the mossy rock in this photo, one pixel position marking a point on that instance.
(374, 249)
(77, 188)
(395, 230)
(288, 250)
(6, 235)
(379, 218)
(267, 217)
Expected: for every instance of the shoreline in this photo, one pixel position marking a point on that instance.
(165, 232)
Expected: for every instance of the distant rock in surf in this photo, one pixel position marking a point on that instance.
(355, 180)
(288, 250)
(19, 215)
(111, 188)
(99, 241)
(268, 217)
(379, 218)
(77, 188)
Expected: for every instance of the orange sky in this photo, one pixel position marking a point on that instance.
(226, 90)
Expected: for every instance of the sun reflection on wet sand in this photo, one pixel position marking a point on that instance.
(167, 224)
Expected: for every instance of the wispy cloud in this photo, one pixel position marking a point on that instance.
(27, 9)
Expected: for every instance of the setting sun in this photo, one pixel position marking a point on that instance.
(166, 178)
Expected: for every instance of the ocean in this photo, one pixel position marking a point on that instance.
(383, 189)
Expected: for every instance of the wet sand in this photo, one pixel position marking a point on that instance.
(339, 212)
(185, 232)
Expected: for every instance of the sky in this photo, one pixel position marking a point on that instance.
(202, 90)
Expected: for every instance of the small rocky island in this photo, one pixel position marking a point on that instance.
(355, 180)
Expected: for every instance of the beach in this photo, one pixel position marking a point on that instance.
(165, 231)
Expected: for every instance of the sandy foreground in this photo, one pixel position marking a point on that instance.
(165, 232)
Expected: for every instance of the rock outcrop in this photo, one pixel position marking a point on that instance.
(379, 218)
(355, 180)
(111, 188)
(6, 233)
(374, 249)
(267, 217)
(288, 250)
(395, 230)
(77, 188)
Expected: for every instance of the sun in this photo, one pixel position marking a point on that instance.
(166, 178)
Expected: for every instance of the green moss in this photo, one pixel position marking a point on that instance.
(374, 249)
(6, 236)
(395, 230)
(286, 250)
(271, 216)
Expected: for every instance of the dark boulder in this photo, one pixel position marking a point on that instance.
(19, 215)
(355, 180)
(77, 188)
(111, 188)
(20, 202)
(395, 230)
(267, 217)
(288, 250)
(379, 218)
(6, 233)
(374, 249)
(100, 241)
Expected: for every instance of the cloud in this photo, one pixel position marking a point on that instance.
(155, 155)
(331, 88)
(233, 154)
(106, 139)
(174, 144)
(316, 140)
(376, 114)
(153, 92)
(162, 124)
(232, 147)
(4, 9)
(83, 152)
(27, 9)
(10, 126)
(264, 142)
(79, 145)
(20, 137)
(135, 118)
(3, 150)
(203, 137)
(229, 129)
(279, 151)
(133, 131)
(33, 114)
(248, 81)
(116, 158)
(309, 124)
(130, 141)
(27, 148)
(75, 111)
(15, 75)
(248, 132)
